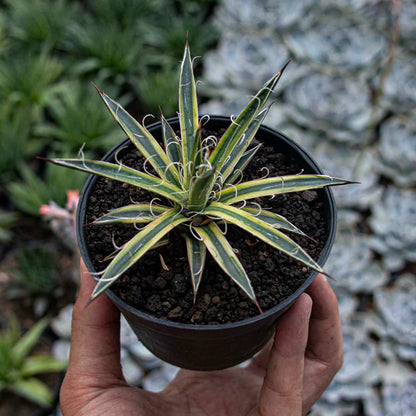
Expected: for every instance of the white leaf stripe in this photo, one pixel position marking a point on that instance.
(132, 214)
(263, 231)
(126, 175)
(224, 255)
(277, 185)
(137, 247)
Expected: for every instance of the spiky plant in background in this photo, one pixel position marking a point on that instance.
(198, 178)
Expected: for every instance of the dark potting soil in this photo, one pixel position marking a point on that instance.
(160, 282)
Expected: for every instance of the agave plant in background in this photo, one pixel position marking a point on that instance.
(199, 178)
(18, 368)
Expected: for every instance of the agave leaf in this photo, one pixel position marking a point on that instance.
(233, 134)
(162, 242)
(263, 231)
(188, 113)
(22, 348)
(171, 141)
(241, 165)
(131, 214)
(126, 175)
(240, 147)
(196, 257)
(143, 140)
(39, 364)
(274, 220)
(34, 390)
(277, 185)
(224, 255)
(140, 244)
(200, 191)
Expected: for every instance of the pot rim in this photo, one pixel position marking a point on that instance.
(332, 214)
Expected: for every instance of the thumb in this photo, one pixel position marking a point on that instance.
(282, 389)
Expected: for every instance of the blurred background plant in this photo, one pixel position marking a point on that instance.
(19, 368)
(348, 97)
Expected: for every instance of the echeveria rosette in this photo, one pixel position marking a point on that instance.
(397, 150)
(394, 225)
(343, 39)
(197, 177)
(279, 15)
(334, 103)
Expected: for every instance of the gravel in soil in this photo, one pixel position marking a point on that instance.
(160, 283)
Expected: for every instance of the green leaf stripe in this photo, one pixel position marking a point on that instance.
(196, 257)
(137, 247)
(131, 214)
(263, 231)
(277, 185)
(143, 140)
(224, 255)
(125, 174)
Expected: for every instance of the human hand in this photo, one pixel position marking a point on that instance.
(286, 378)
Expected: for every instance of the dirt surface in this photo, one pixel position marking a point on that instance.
(160, 282)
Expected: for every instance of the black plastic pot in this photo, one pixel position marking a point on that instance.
(203, 347)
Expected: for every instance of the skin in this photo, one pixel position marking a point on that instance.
(285, 379)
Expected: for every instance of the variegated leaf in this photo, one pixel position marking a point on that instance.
(224, 255)
(188, 113)
(171, 141)
(274, 220)
(143, 140)
(131, 214)
(196, 257)
(241, 146)
(140, 244)
(241, 165)
(200, 191)
(126, 175)
(238, 126)
(277, 185)
(263, 231)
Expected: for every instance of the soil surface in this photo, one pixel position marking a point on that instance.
(160, 283)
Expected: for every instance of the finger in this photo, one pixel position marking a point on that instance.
(325, 337)
(324, 353)
(283, 384)
(259, 362)
(95, 336)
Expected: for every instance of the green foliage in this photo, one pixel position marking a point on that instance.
(15, 143)
(40, 24)
(73, 125)
(27, 82)
(7, 220)
(35, 272)
(29, 193)
(159, 88)
(18, 368)
(197, 176)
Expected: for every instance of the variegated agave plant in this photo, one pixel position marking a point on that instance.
(197, 176)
